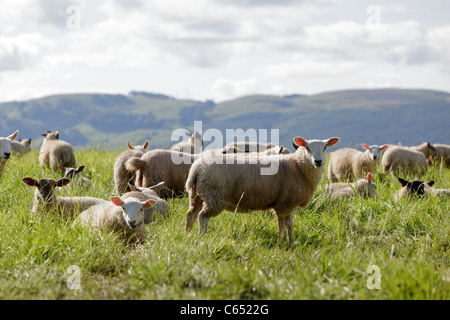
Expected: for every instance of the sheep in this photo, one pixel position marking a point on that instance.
(410, 159)
(45, 198)
(245, 146)
(121, 176)
(275, 150)
(239, 185)
(161, 207)
(74, 175)
(346, 162)
(192, 146)
(55, 152)
(21, 147)
(442, 154)
(410, 189)
(364, 187)
(5, 149)
(429, 190)
(124, 216)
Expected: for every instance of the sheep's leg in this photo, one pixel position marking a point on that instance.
(289, 223)
(203, 221)
(281, 227)
(195, 205)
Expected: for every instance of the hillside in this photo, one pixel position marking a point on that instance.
(104, 120)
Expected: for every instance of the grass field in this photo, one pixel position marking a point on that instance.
(239, 258)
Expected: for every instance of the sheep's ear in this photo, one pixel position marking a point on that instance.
(133, 187)
(44, 134)
(295, 146)
(80, 168)
(365, 146)
(300, 142)
(369, 177)
(117, 201)
(30, 181)
(62, 182)
(57, 134)
(403, 182)
(129, 145)
(146, 144)
(13, 136)
(62, 168)
(332, 141)
(188, 134)
(383, 147)
(148, 203)
(430, 183)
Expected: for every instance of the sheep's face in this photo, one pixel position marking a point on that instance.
(316, 149)
(138, 147)
(49, 135)
(374, 150)
(431, 150)
(71, 172)
(367, 186)
(414, 188)
(133, 210)
(46, 187)
(5, 145)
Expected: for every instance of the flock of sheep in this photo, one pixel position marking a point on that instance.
(144, 180)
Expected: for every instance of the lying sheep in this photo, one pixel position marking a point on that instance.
(161, 207)
(5, 150)
(429, 190)
(124, 216)
(275, 150)
(346, 162)
(74, 175)
(214, 187)
(21, 147)
(410, 159)
(193, 145)
(45, 198)
(363, 187)
(121, 176)
(442, 154)
(245, 146)
(55, 152)
(410, 189)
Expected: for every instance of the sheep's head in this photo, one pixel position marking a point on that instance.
(138, 147)
(5, 145)
(133, 210)
(315, 149)
(367, 186)
(431, 150)
(71, 172)
(416, 187)
(51, 135)
(46, 187)
(374, 150)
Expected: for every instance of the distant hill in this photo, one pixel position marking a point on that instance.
(107, 121)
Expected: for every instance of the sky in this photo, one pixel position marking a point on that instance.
(221, 49)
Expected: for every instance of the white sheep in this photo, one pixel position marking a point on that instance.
(193, 145)
(346, 162)
(409, 159)
(5, 149)
(124, 216)
(275, 150)
(121, 176)
(74, 175)
(246, 146)
(362, 187)
(55, 152)
(46, 199)
(239, 185)
(429, 190)
(21, 147)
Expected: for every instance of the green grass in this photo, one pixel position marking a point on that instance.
(239, 257)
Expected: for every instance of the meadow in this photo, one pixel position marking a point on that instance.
(340, 248)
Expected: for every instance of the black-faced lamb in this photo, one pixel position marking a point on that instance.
(365, 188)
(55, 153)
(237, 184)
(5, 149)
(409, 189)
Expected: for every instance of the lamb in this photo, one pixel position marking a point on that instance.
(161, 207)
(124, 216)
(55, 152)
(409, 189)
(245, 146)
(346, 162)
(192, 146)
(121, 176)
(21, 147)
(5, 149)
(364, 187)
(275, 150)
(436, 192)
(239, 185)
(74, 175)
(45, 198)
(410, 159)
(442, 154)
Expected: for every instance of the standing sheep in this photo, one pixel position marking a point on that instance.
(346, 162)
(45, 198)
(192, 146)
(124, 216)
(238, 185)
(442, 154)
(21, 147)
(410, 159)
(5, 149)
(55, 153)
(121, 176)
(363, 187)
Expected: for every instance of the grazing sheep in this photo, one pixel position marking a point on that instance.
(410, 159)
(121, 176)
(192, 146)
(21, 147)
(346, 162)
(55, 153)
(239, 185)
(5, 149)
(161, 207)
(245, 146)
(74, 175)
(363, 187)
(124, 216)
(442, 154)
(45, 198)
(414, 188)
(436, 192)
